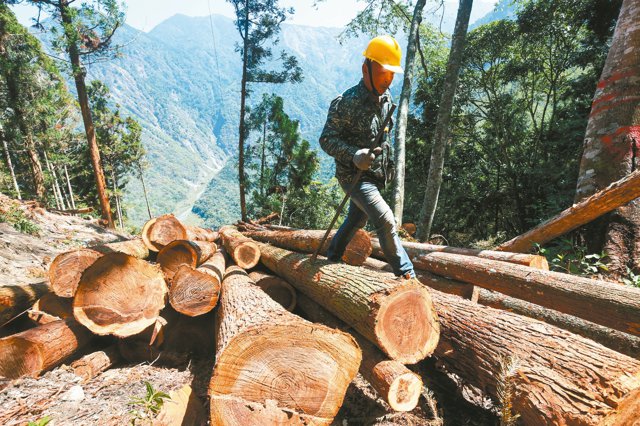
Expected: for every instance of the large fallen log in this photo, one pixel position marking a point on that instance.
(244, 251)
(41, 348)
(615, 195)
(273, 367)
(601, 302)
(160, 231)
(90, 365)
(415, 250)
(15, 299)
(396, 384)
(277, 288)
(119, 295)
(557, 377)
(67, 268)
(307, 241)
(184, 252)
(195, 292)
(395, 315)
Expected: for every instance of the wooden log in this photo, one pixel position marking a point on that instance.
(601, 302)
(415, 250)
(613, 339)
(61, 307)
(615, 195)
(182, 408)
(41, 318)
(160, 231)
(244, 251)
(195, 233)
(67, 268)
(396, 384)
(119, 295)
(445, 285)
(41, 348)
(90, 365)
(195, 292)
(273, 367)
(558, 377)
(15, 299)
(184, 252)
(307, 241)
(394, 314)
(277, 288)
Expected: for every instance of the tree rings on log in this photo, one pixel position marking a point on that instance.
(67, 268)
(244, 251)
(184, 252)
(160, 231)
(277, 288)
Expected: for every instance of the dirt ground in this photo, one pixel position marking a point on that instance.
(61, 396)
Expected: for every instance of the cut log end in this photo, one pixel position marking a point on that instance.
(162, 230)
(277, 288)
(194, 292)
(358, 249)
(303, 367)
(626, 413)
(19, 357)
(405, 386)
(246, 255)
(239, 412)
(407, 324)
(174, 255)
(119, 295)
(67, 268)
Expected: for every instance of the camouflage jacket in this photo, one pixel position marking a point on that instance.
(353, 122)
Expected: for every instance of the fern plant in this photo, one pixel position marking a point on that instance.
(147, 407)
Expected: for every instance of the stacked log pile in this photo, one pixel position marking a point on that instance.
(235, 295)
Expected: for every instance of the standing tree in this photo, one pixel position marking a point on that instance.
(85, 34)
(258, 22)
(434, 180)
(612, 142)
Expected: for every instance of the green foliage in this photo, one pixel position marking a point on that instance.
(632, 279)
(16, 217)
(571, 258)
(41, 422)
(145, 408)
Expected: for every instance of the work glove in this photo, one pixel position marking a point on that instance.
(364, 158)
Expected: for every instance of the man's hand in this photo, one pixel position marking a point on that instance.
(364, 158)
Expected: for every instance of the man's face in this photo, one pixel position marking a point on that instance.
(382, 77)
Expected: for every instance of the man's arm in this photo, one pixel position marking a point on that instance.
(331, 140)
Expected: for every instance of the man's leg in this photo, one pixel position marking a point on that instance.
(368, 198)
(355, 220)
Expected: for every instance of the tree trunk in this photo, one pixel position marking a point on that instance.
(15, 299)
(41, 348)
(160, 231)
(78, 76)
(10, 165)
(50, 303)
(241, 127)
(184, 252)
(195, 292)
(307, 241)
(557, 377)
(144, 191)
(397, 316)
(244, 251)
(66, 174)
(395, 383)
(611, 144)
(613, 339)
(119, 295)
(403, 111)
(67, 268)
(277, 288)
(273, 367)
(441, 135)
(56, 189)
(89, 366)
(415, 250)
(604, 303)
(115, 195)
(612, 197)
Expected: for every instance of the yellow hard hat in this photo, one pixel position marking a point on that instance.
(386, 51)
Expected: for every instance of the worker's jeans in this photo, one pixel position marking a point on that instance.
(367, 203)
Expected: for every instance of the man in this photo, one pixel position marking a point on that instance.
(353, 122)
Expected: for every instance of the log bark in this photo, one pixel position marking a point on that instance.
(90, 365)
(15, 299)
(558, 377)
(273, 367)
(395, 383)
(244, 251)
(67, 268)
(612, 339)
(277, 288)
(184, 252)
(196, 291)
(119, 295)
(307, 241)
(41, 348)
(395, 315)
(615, 195)
(601, 302)
(415, 250)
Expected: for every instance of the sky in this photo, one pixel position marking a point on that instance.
(146, 14)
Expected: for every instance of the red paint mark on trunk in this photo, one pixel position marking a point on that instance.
(613, 142)
(618, 76)
(605, 98)
(613, 104)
